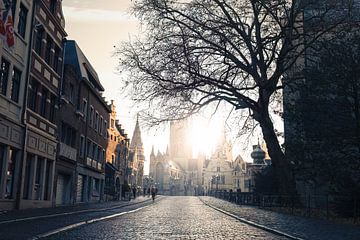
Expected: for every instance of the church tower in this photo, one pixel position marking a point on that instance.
(180, 144)
(136, 146)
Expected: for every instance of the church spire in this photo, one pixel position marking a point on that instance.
(152, 151)
(136, 140)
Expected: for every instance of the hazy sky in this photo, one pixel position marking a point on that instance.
(98, 26)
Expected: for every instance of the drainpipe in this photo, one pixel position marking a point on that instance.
(20, 183)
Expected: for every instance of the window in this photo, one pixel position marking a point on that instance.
(71, 93)
(91, 115)
(52, 108)
(43, 102)
(4, 75)
(49, 43)
(101, 125)
(22, 20)
(105, 129)
(15, 87)
(68, 135)
(56, 60)
(222, 180)
(84, 108)
(218, 169)
(82, 146)
(94, 151)
(33, 90)
(96, 121)
(10, 173)
(89, 148)
(38, 40)
(99, 158)
(112, 123)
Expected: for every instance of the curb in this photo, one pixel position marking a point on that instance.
(254, 224)
(70, 213)
(79, 224)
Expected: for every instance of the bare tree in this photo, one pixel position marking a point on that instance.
(201, 52)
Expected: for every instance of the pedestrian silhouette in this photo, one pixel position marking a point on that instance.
(134, 191)
(153, 193)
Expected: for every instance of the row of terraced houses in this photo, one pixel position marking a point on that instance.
(60, 142)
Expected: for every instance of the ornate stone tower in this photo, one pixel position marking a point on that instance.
(180, 144)
(136, 146)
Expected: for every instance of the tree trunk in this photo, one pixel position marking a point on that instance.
(282, 168)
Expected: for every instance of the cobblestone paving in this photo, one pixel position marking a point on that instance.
(16, 214)
(29, 228)
(307, 228)
(170, 218)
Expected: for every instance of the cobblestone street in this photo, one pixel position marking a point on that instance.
(170, 218)
(302, 227)
(167, 218)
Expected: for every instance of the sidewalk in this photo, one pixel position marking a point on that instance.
(302, 227)
(28, 213)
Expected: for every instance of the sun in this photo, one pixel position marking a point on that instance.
(204, 135)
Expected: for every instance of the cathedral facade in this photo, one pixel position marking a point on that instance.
(176, 172)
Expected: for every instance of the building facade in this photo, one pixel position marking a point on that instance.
(117, 153)
(321, 117)
(93, 112)
(43, 87)
(14, 58)
(218, 170)
(166, 175)
(176, 172)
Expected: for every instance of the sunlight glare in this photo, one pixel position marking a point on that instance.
(205, 135)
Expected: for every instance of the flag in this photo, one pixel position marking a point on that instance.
(2, 22)
(9, 29)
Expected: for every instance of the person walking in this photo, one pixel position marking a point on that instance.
(153, 193)
(134, 191)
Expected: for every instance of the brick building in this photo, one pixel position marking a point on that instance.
(43, 88)
(116, 157)
(93, 112)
